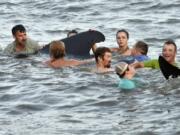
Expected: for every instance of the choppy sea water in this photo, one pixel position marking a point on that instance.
(38, 100)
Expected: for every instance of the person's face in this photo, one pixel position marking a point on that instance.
(122, 39)
(20, 37)
(169, 53)
(106, 60)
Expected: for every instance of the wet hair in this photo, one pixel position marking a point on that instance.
(100, 52)
(170, 41)
(57, 49)
(72, 31)
(142, 47)
(123, 30)
(19, 28)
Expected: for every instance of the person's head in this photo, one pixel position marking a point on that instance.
(140, 48)
(122, 37)
(19, 33)
(169, 51)
(57, 49)
(103, 56)
(72, 33)
(124, 70)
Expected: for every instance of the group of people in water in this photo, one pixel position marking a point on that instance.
(103, 55)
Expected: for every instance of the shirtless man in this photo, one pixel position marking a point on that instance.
(57, 57)
(103, 58)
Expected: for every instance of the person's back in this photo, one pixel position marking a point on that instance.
(57, 54)
(21, 44)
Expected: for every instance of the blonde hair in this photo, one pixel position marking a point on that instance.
(57, 49)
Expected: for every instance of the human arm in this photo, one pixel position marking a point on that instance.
(94, 48)
(81, 62)
(138, 65)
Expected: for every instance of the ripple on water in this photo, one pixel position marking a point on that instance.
(29, 107)
(38, 100)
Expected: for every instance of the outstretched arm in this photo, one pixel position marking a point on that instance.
(138, 65)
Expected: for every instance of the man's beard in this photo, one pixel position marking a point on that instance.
(22, 42)
(108, 65)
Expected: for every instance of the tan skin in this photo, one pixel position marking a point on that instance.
(122, 41)
(103, 65)
(135, 52)
(62, 62)
(168, 52)
(129, 74)
(20, 39)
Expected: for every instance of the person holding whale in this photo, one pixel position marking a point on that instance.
(57, 57)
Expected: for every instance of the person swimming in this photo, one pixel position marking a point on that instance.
(57, 56)
(126, 74)
(139, 51)
(103, 58)
(122, 37)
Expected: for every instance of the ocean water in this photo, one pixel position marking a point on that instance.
(36, 100)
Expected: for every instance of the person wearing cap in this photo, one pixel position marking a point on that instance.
(126, 74)
(57, 57)
(21, 44)
(103, 58)
(169, 52)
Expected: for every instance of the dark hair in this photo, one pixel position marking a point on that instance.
(100, 52)
(170, 41)
(19, 28)
(142, 46)
(72, 31)
(123, 30)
